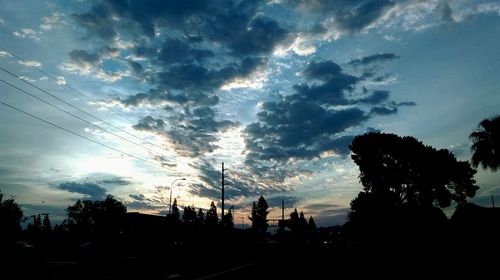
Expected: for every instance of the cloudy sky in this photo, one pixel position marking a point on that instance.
(124, 97)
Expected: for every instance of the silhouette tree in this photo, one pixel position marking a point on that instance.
(405, 183)
(102, 219)
(10, 219)
(259, 215)
(227, 221)
(36, 227)
(189, 215)
(211, 219)
(46, 225)
(302, 220)
(298, 225)
(175, 215)
(311, 225)
(486, 144)
(200, 217)
(416, 174)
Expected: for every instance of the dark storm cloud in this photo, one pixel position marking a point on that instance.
(390, 108)
(140, 201)
(178, 51)
(139, 197)
(209, 44)
(190, 133)
(376, 97)
(350, 15)
(384, 110)
(145, 15)
(90, 190)
(202, 190)
(355, 19)
(260, 37)
(84, 58)
(301, 130)
(164, 161)
(238, 183)
(446, 12)
(372, 59)
(153, 97)
(311, 121)
(116, 181)
(200, 78)
(407, 103)
(150, 124)
(136, 67)
(97, 22)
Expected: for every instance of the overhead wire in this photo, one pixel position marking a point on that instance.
(79, 135)
(79, 92)
(69, 113)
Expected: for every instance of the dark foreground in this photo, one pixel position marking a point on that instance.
(256, 261)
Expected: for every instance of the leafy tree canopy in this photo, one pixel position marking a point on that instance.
(486, 144)
(90, 216)
(211, 217)
(259, 215)
(10, 218)
(403, 170)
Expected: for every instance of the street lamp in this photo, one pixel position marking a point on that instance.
(171, 186)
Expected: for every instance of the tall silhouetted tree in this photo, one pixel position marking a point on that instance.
(36, 227)
(211, 219)
(486, 144)
(259, 215)
(298, 225)
(311, 224)
(227, 221)
(46, 225)
(10, 219)
(175, 215)
(404, 180)
(189, 215)
(200, 218)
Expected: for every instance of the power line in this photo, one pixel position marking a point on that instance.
(67, 112)
(79, 92)
(57, 80)
(79, 135)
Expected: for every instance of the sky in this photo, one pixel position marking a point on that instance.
(125, 97)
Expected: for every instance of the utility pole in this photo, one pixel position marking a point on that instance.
(282, 210)
(222, 216)
(492, 201)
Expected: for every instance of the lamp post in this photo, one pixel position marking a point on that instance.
(171, 186)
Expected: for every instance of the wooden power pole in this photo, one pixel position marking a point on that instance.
(222, 212)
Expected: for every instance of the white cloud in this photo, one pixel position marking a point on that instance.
(4, 54)
(489, 8)
(30, 63)
(254, 81)
(52, 21)
(81, 67)
(302, 45)
(111, 76)
(121, 44)
(61, 80)
(27, 33)
(27, 79)
(391, 38)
